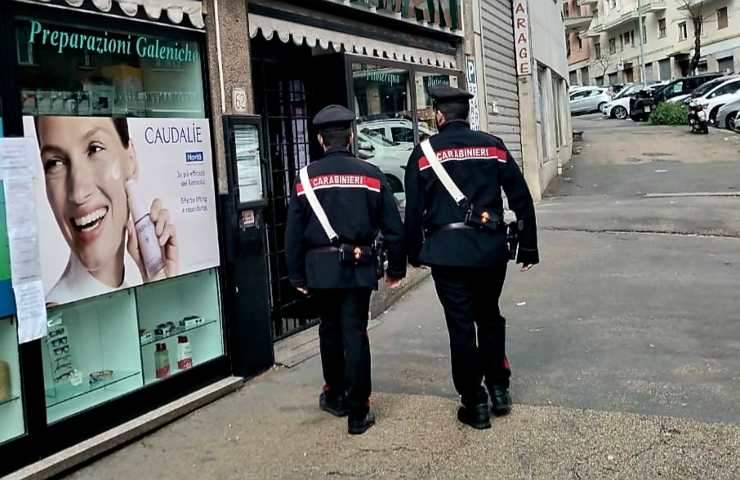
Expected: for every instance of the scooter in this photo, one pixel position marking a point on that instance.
(698, 118)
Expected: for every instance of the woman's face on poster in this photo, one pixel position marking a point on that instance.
(86, 166)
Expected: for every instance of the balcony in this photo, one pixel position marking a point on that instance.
(651, 6)
(694, 3)
(589, 3)
(577, 24)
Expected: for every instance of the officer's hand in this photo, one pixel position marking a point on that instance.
(302, 290)
(393, 283)
(526, 268)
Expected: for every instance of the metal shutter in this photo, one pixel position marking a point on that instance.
(499, 69)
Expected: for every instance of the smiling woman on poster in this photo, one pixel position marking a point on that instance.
(90, 170)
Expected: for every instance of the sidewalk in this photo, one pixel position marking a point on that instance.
(273, 430)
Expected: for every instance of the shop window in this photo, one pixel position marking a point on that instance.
(70, 70)
(424, 107)
(11, 404)
(129, 265)
(383, 103)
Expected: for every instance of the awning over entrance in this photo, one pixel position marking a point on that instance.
(175, 10)
(338, 41)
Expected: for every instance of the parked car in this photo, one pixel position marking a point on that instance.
(395, 130)
(588, 100)
(712, 99)
(683, 86)
(727, 115)
(391, 158)
(619, 106)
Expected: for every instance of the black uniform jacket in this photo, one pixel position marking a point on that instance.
(480, 165)
(359, 203)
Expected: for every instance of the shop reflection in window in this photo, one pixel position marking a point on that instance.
(385, 129)
(424, 106)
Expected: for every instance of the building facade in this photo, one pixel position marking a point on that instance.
(523, 86)
(667, 35)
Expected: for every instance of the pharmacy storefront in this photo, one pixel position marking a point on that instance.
(110, 279)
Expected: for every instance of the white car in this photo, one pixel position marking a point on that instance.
(391, 158)
(395, 130)
(619, 107)
(588, 100)
(715, 98)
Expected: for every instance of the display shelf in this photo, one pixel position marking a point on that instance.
(9, 401)
(65, 392)
(178, 331)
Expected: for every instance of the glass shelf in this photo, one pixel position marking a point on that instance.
(178, 331)
(10, 400)
(66, 391)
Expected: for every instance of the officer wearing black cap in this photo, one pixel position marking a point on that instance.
(338, 206)
(454, 223)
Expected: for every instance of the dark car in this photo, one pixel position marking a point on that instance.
(646, 103)
(683, 86)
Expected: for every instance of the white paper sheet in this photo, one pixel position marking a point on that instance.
(31, 314)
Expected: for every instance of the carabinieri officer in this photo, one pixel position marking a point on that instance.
(338, 206)
(454, 223)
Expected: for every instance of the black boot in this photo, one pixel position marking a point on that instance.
(358, 426)
(476, 416)
(336, 405)
(501, 400)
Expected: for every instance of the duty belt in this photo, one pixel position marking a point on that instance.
(491, 225)
(350, 254)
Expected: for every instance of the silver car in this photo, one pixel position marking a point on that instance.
(727, 115)
(588, 100)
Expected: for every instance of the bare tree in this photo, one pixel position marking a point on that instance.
(603, 62)
(695, 15)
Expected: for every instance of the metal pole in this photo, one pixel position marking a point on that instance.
(642, 46)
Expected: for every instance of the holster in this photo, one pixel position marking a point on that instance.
(512, 238)
(355, 254)
(481, 219)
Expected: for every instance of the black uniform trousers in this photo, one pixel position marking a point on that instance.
(470, 298)
(345, 347)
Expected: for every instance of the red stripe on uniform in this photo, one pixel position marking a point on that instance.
(466, 153)
(342, 181)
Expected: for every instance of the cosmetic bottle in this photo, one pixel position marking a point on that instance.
(184, 353)
(4, 381)
(151, 252)
(161, 361)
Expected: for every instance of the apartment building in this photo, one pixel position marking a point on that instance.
(667, 34)
(577, 19)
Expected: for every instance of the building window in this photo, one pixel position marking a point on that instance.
(662, 32)
(683, 32)
(597, 50)
(621, 43)
(612, 46)
(566, 10)
(644, 31)
(599, 80)
(726, 65)
(580, 43)
(722, 18)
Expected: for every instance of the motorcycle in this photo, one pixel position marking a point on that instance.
(698, 118)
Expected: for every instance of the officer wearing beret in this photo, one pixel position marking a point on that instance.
(335, 259)
(461, 235)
